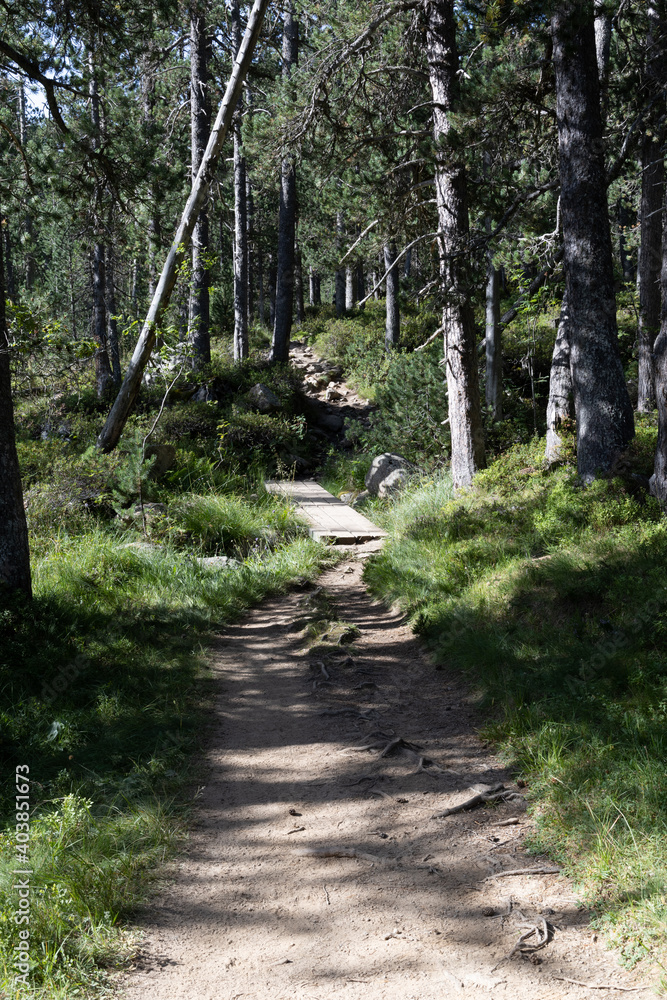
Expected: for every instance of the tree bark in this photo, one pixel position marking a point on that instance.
(298, 286)
(9, 266)
(31, 268)
(200, 340)
(650, 221)
(465, 412)
(314, 288)
(14, 551)
(250, 243)
(341, 290)
(121, 408)
(494, 352)
(112, 323)
(601, 401)
(349, 289)
(559, 406)
(392, 327)
(240, 217)
(659, 477)
(361, 281)
(103, 375)
(287, 217)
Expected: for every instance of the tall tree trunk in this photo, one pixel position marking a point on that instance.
(287, 217)
(250, 243)
(493, 343)
(14, 551)
(261, 312)
(465, 412)
(650, 222)
(240, 217)
(350, 298)
(200, 119)
(361, 281)
(601, 401)
(298, 286)
(112, 323)
(340, 283)
(9, 266)
(31, 268)
(624, 218)
(602, 28)
(392, 327)
(273, 279)
(103, 374)
(407, 267)
(659, 478)
(559, 406)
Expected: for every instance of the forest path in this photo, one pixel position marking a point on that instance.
(245, 916)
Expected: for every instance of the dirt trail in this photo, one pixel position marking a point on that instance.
(247, 917)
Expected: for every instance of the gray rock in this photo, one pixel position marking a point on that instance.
(151, 510)
(218, 562)
(392, 483)
(361, 498)
(263, 399)
(382, 468)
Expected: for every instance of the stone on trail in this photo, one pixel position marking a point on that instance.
(382, 475)
(263, 399)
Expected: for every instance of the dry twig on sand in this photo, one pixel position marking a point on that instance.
(541, 870)
(601, 986)
(335, 852)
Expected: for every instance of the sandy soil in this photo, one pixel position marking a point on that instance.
(418, 910)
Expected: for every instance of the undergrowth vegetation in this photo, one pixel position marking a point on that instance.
(104, 691)
(552, 599)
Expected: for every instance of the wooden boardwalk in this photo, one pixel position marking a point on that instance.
(330, 519)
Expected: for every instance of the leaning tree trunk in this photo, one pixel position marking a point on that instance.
(602, 405)
(559, 406)
(465, 412)
(659, 478)
(650, 222)
(14, 551)
(200, 119)
(392, 327)
(240, 217)
(124, 402)
(287, 217)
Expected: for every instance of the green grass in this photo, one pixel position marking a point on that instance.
(104, 688)
(103, 693)
(552, 600)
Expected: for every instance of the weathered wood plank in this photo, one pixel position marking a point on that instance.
(328, 516)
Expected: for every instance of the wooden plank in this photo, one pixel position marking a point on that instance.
(329, 518)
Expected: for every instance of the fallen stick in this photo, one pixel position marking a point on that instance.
(512, 821)
(335, 852)
(525, 871)
(601, 986)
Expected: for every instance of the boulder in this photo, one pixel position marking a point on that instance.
(392, 483)
(218, 562)
(263, 399)
(330, 422)
(382, 470)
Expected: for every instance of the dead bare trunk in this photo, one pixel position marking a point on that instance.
(659, 477)
(200, 118)
(465, 412)
(113, 346)
(120, 410)
(493, 343)
(240, 217)
(392, 327)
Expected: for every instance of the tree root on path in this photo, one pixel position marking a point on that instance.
(541, 870)
(336, 852)
(543, 932)
(390, 744)
(495, 793)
